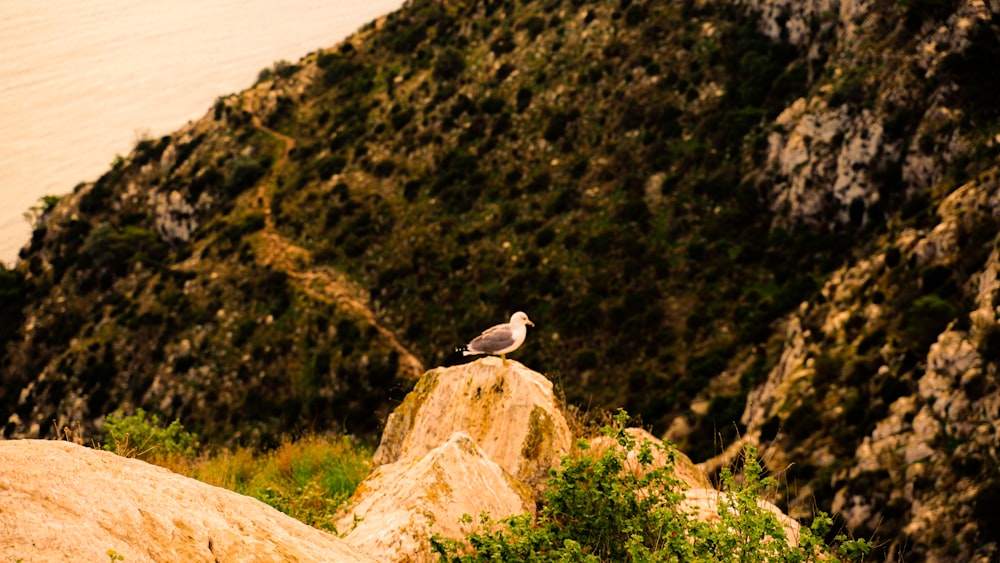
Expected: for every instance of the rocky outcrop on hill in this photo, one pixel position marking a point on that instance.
(510, 411)
(397, 509)
(883, 393)
(469, 439)
(932, 420)
(64, 502)
(481, 438)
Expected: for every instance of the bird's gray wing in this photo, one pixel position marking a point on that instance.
(493, 339)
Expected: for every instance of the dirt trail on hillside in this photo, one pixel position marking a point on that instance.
(319, 282)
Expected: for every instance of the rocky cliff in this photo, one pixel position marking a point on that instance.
(771, 221)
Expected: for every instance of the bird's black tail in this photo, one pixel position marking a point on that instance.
(461, 349)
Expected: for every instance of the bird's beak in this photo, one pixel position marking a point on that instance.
(529, 323)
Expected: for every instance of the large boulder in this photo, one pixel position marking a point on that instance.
(482, 438)
(64, 502)
(469, 439)
(509, 411)
(401, 505)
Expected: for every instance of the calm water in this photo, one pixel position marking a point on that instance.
(81, 82)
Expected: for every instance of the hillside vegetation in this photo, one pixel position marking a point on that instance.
(742, 221)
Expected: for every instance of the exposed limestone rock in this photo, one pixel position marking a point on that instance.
(768, 398)
(684, 468)
(792, 19)
(64, 502)
(819, 152)
(509, 411)
(830, 156)
(401, 505)
(952, 36)
(921, 461)
(418, 489)
(479, 437)
(175, 217)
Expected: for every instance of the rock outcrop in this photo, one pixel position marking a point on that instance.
(509, 410)
(932, 424)
(401, 505)
(468, 439)
(64, 502)
(481, 438)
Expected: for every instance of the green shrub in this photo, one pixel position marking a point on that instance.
(604, 508)
(449, 64)
(925, 320)
(336, 68)
(331, 165)
(12, 290)
(384, 168)
(112, 251)
(146, 437)
(246, 172)
(285, 69)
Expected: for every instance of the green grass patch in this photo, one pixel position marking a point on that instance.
(308, 479)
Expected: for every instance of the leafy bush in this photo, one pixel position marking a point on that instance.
(112, 251)
(336, 67)
(449, 64)
(926, 319)
(96, 199)
(12, 290)
(605, 508)
(246, 172)
(147, 438)
(331, 165)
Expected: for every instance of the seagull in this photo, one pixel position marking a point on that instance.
(500, 339)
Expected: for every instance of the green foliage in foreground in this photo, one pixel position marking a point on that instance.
(308, 479)
(603, 508)
(146, 437)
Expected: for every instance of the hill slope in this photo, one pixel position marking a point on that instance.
(770, 220)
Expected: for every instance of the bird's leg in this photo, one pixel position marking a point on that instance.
(503, 357)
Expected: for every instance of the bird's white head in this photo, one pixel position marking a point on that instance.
(520, 318)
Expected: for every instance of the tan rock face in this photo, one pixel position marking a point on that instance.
(401, 505)
(509, 411)
(468, 439)
(64, 502)
(481, 438)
